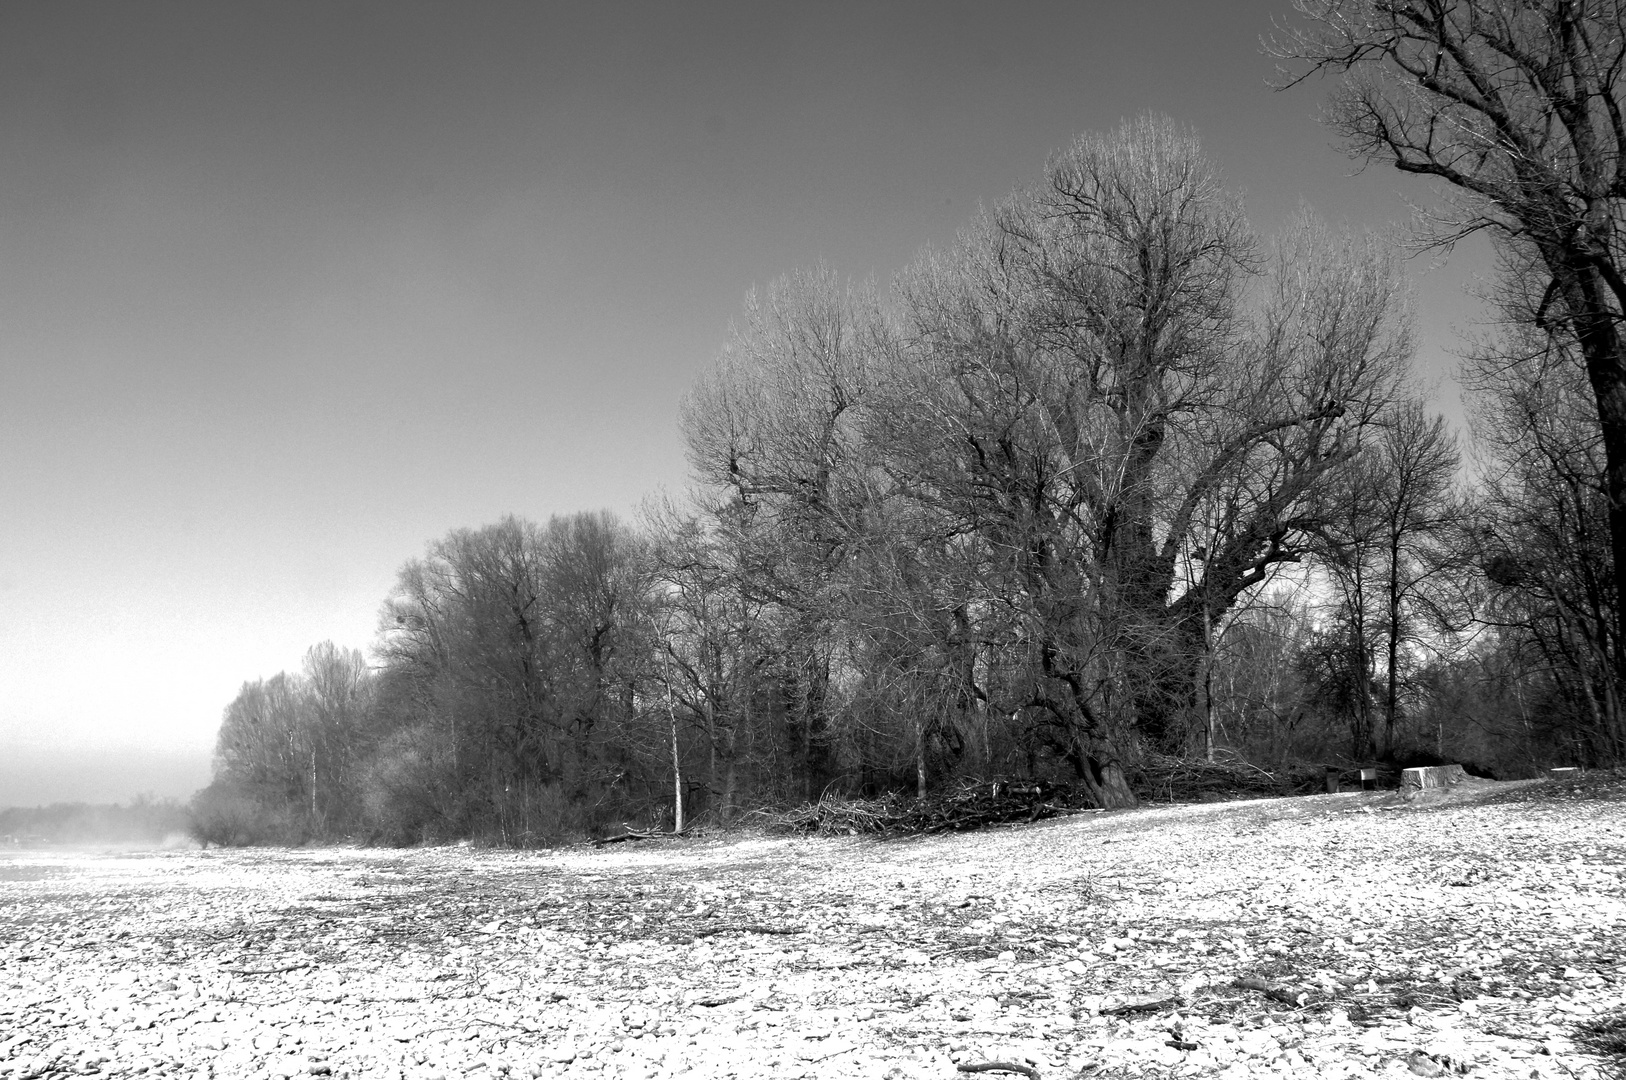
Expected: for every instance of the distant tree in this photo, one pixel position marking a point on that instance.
(1421, 563)
(511, 656)
(337, 693)
(464, 629)
(776, 427)
(1262, 697)
(287, 752)
(265, 740)
(1391, 549)
(714, 643)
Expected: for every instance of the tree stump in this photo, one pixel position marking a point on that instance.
(1435, 776)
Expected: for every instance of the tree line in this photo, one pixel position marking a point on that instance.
(1112, 477)
(144, 821)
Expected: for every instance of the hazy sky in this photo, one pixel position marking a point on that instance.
(288, 290)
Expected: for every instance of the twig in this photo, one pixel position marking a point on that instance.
(1000, 1066)
(266, 971)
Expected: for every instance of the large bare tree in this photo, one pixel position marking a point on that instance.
(1134, 414)
(1515, 106)
(1543, 534)
(1075, 440)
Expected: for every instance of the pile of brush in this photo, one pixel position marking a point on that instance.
(1172, 779)
(973, 806)
(1160, 778)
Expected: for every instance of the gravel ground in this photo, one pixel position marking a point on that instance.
(1478, 931)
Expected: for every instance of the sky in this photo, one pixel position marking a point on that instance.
(288, 290)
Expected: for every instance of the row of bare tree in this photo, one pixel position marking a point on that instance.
(1112, 476)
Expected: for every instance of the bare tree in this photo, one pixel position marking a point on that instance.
(1421, 566)
(777, 426)
(1033, 487)
(1390, 548)
(1542, 535)
(715, 638)
(337, 690)
(1515, 106)
(512, 655)
(1088, 390)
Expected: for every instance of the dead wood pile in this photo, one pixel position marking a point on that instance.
(1171, 779)
(970, 807)
(1160, 778)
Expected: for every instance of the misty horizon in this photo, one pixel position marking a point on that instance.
(33, 778)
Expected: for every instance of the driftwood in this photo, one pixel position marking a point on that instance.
(1000, 1066)
(1152, 1005)
(747, 928)
(267, 971)
(633, 834)
(713, 1002)
(1282, 992)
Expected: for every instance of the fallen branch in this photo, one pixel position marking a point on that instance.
(1287, 995)
(515, 1026)
(632, 834)
(1154, 1005)
(747, 928)
(1000, 1066)
(713, 1002)
(267, 971)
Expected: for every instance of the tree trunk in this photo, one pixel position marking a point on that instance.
(1108, 786)
(677, 779)
(1100, 771)
(677, 759)
(711, 745)
(1115, 792)
(730, 787)
(1599, 338)
(920, 756)
(1392, 689)
(1208, 683)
